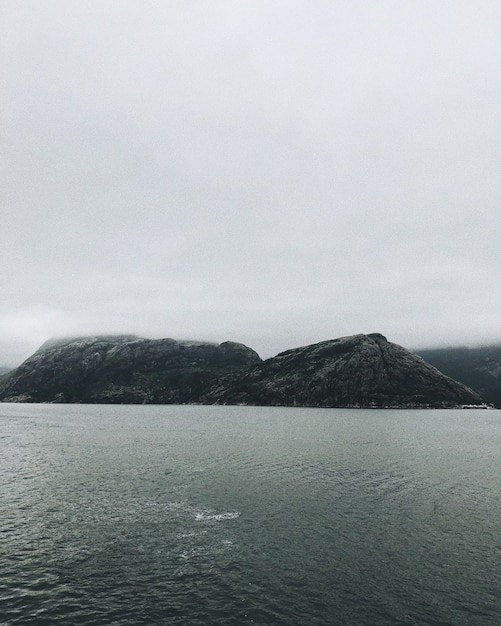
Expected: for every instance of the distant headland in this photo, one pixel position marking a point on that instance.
(357, 371)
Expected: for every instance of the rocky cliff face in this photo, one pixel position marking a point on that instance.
(357, 371)
(123, 369)
(479, 368)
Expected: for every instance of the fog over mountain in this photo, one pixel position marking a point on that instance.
(274, 172)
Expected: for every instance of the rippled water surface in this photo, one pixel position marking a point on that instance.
(236, 515)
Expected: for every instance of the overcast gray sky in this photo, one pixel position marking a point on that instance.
(276, 172)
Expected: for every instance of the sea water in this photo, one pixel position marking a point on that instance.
(243, 515)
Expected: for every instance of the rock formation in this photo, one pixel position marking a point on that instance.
(356, 371)
(123, 369)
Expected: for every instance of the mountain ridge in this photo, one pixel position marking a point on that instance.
(353, 371)
(122, 369)
(477, 367)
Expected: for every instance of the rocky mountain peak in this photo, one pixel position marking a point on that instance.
(123, 368)
(355, 371)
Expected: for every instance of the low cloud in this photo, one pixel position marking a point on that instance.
(275, 173)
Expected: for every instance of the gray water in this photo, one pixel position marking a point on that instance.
(239, 515)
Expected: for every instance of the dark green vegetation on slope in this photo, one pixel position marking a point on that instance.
(478, 368)
(123, 369)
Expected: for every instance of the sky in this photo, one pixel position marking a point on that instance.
(273, 172)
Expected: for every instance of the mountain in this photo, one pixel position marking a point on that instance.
(356, 371)
(123, 369)
(479, 368)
